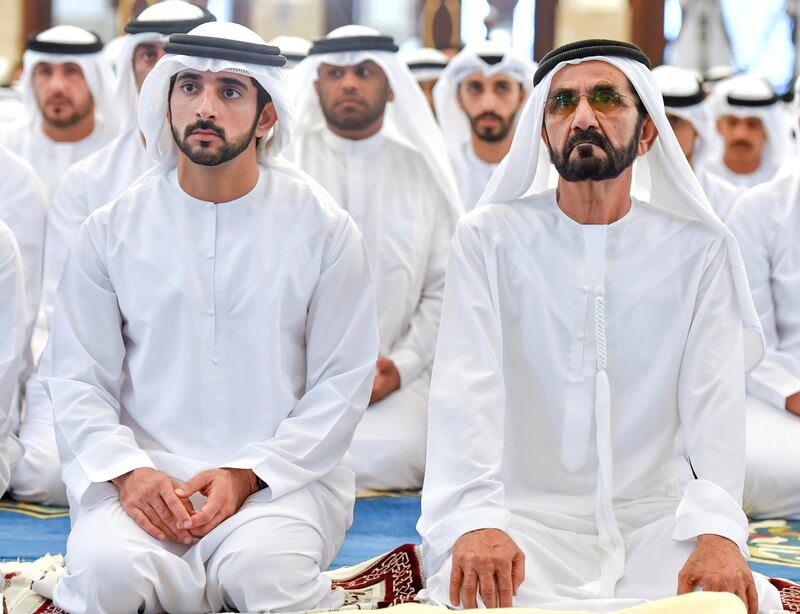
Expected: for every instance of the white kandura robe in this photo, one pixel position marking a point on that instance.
(392, 195)
(23, 207)
(472, 173)
(12, 345)
(766, 222)
(186, 336)
(744, 180)
(87, 185)
(530, 296)
(50, 158)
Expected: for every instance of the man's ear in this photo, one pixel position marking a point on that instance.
(316, 86)
(719, 125)
(389, 92)
(648, 136)
(266, 120)
(545, 136)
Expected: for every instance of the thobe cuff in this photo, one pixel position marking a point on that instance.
(89, 482)
(457, 525)
(408, 364)
(708, 509)
(280, 476)
(773, 383)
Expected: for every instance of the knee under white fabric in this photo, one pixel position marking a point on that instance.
(37, 476)
(388, 449)
(114, 566)
(772, 483)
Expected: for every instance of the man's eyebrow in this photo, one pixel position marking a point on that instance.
(192, 76)
(605, 85)
(233, 81)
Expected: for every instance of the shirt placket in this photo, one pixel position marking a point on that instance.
(213, 322)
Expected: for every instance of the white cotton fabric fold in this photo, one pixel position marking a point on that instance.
(408, 115)
(674, 186)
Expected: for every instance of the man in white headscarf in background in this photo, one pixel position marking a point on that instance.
(689, 116)
(66, 89)
(753, 138)
(587, 401)
(104, 175)
(90, 183)
(766, 222)
(477, 99)
(293, 48)
(367, 135)
(12, 348)
(212, 349)
(426, 65)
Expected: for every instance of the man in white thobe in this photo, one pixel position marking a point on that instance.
(368, 136)
(90, 183)
(477, 100)
(23, 207)
(426, 65)
(101, 177)
(753, 135)
(587, 401)
(12, 347)
(293, 48)
(765, 221)
(690, 119)
(212, 349)
(66, 90)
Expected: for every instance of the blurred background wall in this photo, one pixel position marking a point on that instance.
(749, 35)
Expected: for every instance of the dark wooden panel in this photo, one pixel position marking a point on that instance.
(545, 27)
(37, 15)
(338, 13)
(647, 28)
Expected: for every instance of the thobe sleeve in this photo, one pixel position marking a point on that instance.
(67, 212)
(82, 371)
(12, 340)
(711, 402)
(413, 352)
(463, 490)
(771, 277)
(341, 351)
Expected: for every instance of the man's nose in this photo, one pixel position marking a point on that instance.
(207, 104)
(584, 116)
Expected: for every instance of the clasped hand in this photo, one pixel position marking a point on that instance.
(161, 506)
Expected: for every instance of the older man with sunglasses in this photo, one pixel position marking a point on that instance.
(586, 417)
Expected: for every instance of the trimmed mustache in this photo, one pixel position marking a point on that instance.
(487, 115)
(581, 137)
(741, 142)
(203, 125)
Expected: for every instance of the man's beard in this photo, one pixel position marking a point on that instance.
(77, 116)
(492, 135)
(204, 155)
(588, 166)
(352, 122)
